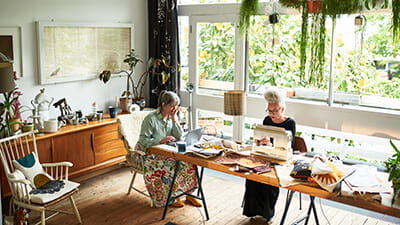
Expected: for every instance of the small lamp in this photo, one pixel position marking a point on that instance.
(7, 83)
(235, 102)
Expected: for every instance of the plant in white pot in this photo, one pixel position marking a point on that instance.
(393, 168)
(131, 59)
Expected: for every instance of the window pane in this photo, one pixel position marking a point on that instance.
(216, 57)
(367, 68)
(184, 49)
(215, 123)
(274, 59)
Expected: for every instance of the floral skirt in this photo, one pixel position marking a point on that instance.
(158, 174)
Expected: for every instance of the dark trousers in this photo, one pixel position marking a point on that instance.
(260, 199)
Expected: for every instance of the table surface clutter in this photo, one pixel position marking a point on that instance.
(359, 186)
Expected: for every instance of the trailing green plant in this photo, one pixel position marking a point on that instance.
(247, 9)
(393, 168)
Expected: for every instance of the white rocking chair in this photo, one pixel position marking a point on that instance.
(18, 146)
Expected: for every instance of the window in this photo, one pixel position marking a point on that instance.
(270, 55)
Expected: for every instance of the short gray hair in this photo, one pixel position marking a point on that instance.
(168, 97)
(275, 95)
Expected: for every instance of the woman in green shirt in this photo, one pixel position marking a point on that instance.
(161, 127)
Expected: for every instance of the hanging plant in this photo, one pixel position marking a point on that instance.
(396, 22)
(247, 9)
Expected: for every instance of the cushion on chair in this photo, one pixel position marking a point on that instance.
(32, 170)
(48, 197)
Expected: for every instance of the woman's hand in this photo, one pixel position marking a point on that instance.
(173, 114)
(167, 139)
(263, 141)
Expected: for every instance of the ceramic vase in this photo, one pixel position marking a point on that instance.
(125, 104)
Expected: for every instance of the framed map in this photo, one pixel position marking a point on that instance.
(80, 51)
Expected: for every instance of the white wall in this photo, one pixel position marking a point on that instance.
(79, 95)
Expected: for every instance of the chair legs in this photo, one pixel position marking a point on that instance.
(132, 181)
(75, 209)
(43, 217)
(140, 191)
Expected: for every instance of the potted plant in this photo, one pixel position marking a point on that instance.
(131, 59)
(247, 9)
(393, 168)
(134, 92)
(10, 118)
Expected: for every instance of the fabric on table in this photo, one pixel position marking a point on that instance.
(235, 158)
(283, 174)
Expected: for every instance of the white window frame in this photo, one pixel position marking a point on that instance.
(353, 119)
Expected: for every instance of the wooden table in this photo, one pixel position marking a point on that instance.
(271, 179)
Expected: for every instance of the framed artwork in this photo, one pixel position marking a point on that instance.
(80, 51)
(10, 47)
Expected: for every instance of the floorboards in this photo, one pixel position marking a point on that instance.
(103, 200)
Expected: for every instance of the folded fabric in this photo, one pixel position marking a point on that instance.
(326, 174)
(301, 170)
(49, 188)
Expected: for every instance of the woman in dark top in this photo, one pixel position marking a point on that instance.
(260, 199)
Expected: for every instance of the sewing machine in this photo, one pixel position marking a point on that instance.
(280, 138)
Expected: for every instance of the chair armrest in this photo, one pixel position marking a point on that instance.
(69, 164)
(58, 170)
(137, 152)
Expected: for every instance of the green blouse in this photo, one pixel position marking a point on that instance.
(154, 128)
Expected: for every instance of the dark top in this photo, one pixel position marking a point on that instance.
(288, 124)
(259, 198)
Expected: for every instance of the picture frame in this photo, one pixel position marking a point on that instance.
(71, 52)
(10, 46)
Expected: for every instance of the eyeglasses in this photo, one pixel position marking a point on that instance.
(272, 111)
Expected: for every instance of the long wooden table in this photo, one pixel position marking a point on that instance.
(271, 179)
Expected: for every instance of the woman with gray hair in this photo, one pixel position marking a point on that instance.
(260, 199)
(161, 127)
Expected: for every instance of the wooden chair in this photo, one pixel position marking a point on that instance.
(19, 146)
(299, 144)
(129, 126)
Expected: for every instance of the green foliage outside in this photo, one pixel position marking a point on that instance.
(279, 64)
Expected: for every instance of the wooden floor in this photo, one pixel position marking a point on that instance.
(103, 200)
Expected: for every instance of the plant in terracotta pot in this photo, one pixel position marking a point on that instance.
(393, 168)
(131, 59)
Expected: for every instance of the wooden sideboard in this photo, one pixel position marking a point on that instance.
(89, 147)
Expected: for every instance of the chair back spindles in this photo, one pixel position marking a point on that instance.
(15, 147)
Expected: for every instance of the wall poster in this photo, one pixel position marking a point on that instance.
(80, 51)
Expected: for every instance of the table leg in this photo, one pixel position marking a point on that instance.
(287, 204)
(177, 165)
(199, 179)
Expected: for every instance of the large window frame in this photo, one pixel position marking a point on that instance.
(347, 118)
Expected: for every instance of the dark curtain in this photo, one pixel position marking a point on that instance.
(163, 42)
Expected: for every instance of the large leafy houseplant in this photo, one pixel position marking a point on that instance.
(160, 68)
(131, 59)
(393, 167)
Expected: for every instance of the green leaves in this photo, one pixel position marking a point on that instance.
(105, 76)
(393, 167)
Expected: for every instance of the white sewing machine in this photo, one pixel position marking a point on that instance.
(279, 137)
